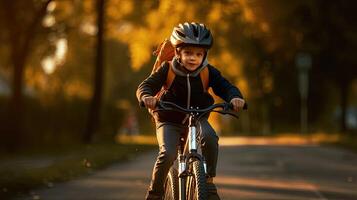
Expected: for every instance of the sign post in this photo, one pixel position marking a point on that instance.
(303, 63)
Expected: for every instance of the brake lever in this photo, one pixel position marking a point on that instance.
(227, 113)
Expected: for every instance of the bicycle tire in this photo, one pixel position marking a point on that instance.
(196, 184)
(171, 186)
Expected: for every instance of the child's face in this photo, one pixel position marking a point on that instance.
(192, 57)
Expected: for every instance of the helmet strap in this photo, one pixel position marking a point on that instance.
(177, 52)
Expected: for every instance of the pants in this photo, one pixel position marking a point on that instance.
(168, 136)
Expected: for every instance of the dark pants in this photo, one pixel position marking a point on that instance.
(168, 137)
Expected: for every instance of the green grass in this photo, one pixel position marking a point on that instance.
(65, 164)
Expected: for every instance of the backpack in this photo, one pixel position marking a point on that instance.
(165, 53)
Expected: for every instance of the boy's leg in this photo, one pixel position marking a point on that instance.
(168, 136)
(210, 152)
(209, 144)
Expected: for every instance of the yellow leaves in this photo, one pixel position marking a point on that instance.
(222, 42)
(116, 10)
(159, 26)
(228, 63)
(142, 39)
(119, 8)
(232, 66)
(77, 88)
(63, 8)
(166, 6)
(255, 14)
(242, 84)
(248, 13)
(140, 50)
(264, 27)
(215, 14)
(35, 79)
(159, 20)
(47, 87)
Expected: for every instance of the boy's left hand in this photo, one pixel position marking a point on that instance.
(237, 103)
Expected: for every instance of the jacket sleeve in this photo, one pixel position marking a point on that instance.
(221, 86)
(152, 84)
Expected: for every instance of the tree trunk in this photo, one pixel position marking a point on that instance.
(93, 121)
(16, 135)
(20, 42)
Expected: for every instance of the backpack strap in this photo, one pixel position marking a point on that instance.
(204, 74)
(170, 76)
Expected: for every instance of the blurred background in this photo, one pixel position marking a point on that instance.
(69, 69)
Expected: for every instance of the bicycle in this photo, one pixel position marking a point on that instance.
(186, 179)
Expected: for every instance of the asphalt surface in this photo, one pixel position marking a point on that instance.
(245, 172)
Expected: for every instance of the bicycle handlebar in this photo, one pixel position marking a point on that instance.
(169, 106)
(226, 106)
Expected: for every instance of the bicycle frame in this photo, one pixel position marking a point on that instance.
(190, 153)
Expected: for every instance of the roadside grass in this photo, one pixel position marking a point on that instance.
(273, 139)
(35, 169)
(346, 141)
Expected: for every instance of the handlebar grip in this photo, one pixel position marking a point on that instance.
(142, 104)
(245, 107)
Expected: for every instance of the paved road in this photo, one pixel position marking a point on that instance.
(249, 172)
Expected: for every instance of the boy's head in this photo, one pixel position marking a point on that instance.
(191, 41)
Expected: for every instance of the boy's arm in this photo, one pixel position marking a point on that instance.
(152, 85)
(221, 86)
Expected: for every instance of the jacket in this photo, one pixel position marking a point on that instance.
(186, 89)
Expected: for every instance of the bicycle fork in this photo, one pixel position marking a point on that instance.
(182, 180)
(184, 160)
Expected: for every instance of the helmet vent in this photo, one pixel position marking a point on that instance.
(180, 34)
(195, 31)
(208, 34)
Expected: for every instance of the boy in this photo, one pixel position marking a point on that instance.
(192, 42)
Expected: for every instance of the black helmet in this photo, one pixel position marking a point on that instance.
(191, 34)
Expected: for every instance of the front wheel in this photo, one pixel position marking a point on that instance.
(171, 186)
(196, 184)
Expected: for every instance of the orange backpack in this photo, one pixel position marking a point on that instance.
(165, 52)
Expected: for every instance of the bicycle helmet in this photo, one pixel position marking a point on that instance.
(191, 34)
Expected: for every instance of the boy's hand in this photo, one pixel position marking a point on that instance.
(150, 102)
(237, 103)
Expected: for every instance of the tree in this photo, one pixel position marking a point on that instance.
(95, 106)
(22, 24)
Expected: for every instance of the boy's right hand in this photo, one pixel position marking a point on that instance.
(149, 101)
